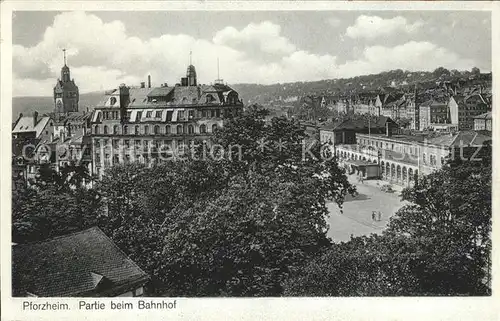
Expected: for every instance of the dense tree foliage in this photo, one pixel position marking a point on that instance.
(54, 204)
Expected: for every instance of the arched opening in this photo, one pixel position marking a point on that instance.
(136, 130)
(179, 129)
(167, 129)
(214, 127)
(405, 174)
(410, 174)
(157, 129)
(387, 170)
(125, 130)
(105, 129)
(398, 173)
(96, 129)
(190, 129)
(146, 130)
(203, 129)
(382, 168)
(393, 171)
(115, 129)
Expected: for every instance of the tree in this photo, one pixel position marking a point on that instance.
(245, 241)
(44, 212)
(475, 71)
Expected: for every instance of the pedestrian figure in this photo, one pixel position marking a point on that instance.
(379, 216)
(373, 215)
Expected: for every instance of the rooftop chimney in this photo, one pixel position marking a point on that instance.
(388, 129)
(143, 84)
(124, 101)
(35, 118)
(149, 81)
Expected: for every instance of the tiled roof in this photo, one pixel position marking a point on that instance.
(72, 265)
(177, 95)
(26, 124)
(484, 116)
(462, 138)
(138, 96)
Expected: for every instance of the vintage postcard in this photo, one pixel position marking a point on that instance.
(248, 160)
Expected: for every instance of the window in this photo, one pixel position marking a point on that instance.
(212, 113)
(127, 143)
(149, 114)
(139, 115)
(125, 130)
(115, 129)
(137, 130)
(129, 114)
(146, 130)
(181, 114)
(116, 142)
(179, 129)
(203, 113)
(105, 129)
(156, 129)
(167, 129)
(158, 114)
(190, 129)
(169, 115)
(217, 113)
(203, 129)
(214, 128)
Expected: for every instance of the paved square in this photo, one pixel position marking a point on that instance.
(356, 218)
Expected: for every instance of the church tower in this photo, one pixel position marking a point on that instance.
(191, 72)
(66, 95)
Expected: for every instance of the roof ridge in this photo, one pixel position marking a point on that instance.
(120, 250)
(60, 237)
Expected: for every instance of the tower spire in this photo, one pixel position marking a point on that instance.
(218, 76)
(64, 54)
(190, 57)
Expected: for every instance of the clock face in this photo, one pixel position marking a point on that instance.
(59, 104)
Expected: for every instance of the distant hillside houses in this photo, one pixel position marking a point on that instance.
(437, 105)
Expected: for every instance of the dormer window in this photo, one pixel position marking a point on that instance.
(210, 98)
(112, 101)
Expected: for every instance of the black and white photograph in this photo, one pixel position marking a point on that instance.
(251, 154)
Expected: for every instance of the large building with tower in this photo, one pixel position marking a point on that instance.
(151, 124)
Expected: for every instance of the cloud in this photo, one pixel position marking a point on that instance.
(102, 55)
(371, 27)
(264, 37)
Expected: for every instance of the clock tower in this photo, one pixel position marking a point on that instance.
(66, 93)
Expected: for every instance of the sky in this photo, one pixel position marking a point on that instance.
(105, 49)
